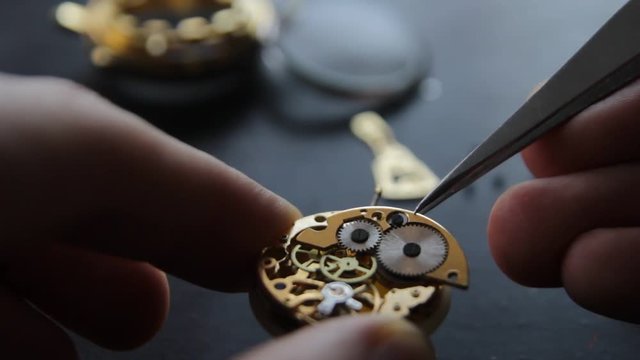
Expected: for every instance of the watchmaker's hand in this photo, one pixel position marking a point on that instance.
(95, 204)
(349, 338)
(578, 224)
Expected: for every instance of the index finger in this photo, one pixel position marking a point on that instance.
(101, 178)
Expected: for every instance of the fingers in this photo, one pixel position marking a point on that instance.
(27, 334)
(600, 272)
(351, 338)
(577, 227)
(90, 193)
(101, 178)
(602, 135)
(533, 225)
(114, 302)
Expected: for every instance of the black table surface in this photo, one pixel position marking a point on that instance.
(487, 55)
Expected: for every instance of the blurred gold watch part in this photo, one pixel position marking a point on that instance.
(398, 173)
(169, 36)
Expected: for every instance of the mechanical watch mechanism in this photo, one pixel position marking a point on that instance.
(358, 261)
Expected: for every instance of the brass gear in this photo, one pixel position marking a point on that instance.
(310, 258)
(338, 266)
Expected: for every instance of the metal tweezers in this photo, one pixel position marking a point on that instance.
(607, 62)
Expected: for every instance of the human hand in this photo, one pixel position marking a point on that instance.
(96, 205)
(577, 225)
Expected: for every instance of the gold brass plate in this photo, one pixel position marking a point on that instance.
(396, 170)
(364, 260)
(208, 35)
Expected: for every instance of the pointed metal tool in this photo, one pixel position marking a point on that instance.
(607, 62)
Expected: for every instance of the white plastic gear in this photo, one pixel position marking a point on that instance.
(345, 231)
(433, 250)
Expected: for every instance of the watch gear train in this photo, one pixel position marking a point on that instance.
(359, 261)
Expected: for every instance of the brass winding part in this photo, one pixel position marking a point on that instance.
(401, 301)
(208, 34)
(370, 295)
(313, 276)
(307, 259)
(350, 269)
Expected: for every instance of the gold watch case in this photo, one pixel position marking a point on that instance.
(170, 36)
(364, 260)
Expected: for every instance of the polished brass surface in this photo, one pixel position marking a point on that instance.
(165, 37)
(401, 301)
(396, 170)
(315, 275)
(322, 235)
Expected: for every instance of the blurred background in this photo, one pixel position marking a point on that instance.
(443, 73)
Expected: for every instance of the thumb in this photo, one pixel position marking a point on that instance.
(349, 338)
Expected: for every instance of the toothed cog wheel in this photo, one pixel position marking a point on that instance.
(412, 250)
(359, 235)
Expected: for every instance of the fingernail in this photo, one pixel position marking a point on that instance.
(293, 211)
(399, 340)
(282, 205)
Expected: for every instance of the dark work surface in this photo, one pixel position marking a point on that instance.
(486, 56)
